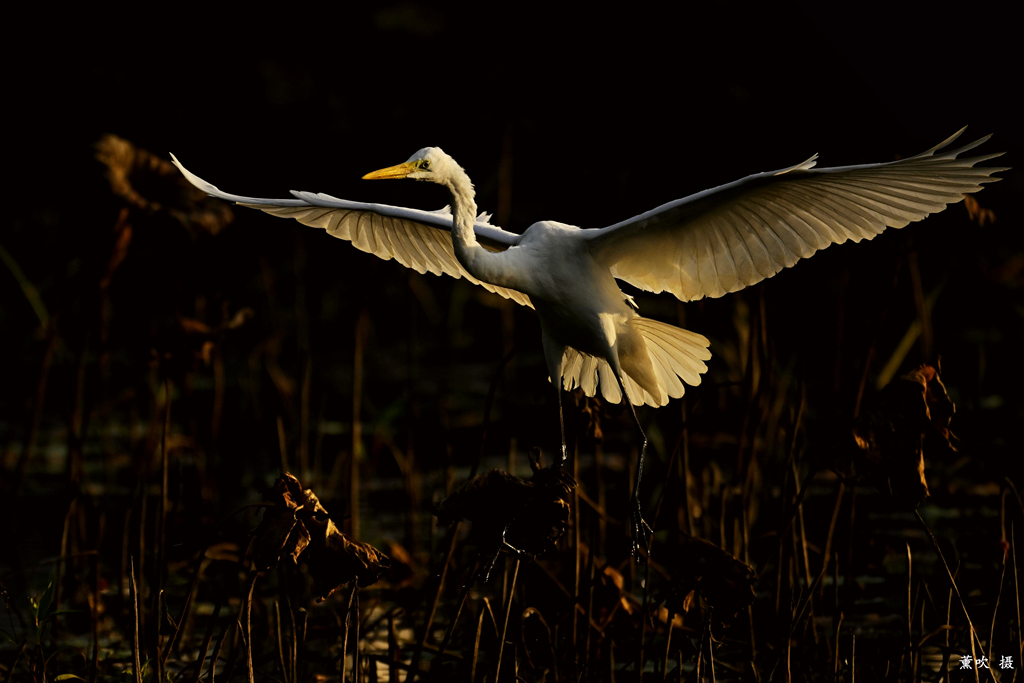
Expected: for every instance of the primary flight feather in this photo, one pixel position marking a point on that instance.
(705, 245)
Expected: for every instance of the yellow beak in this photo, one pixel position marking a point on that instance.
(398, 171)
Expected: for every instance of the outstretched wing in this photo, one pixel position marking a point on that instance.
(420, 240)
(726, 238)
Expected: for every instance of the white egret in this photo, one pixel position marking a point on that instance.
(705, 245)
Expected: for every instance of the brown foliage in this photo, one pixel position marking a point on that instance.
(536, 511)
(913, 413)
(298, 525)
(727, 584)
(154, 184)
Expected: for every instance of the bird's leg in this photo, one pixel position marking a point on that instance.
(561, 426)
(554, 352)
(490, 565)
(639, 525)
(507, 547)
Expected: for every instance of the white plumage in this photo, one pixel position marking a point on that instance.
(705, 245)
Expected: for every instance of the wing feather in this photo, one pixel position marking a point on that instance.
(420, 240)
(730, 237)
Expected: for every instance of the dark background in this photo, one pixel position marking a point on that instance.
(577, 115)
(585, 117)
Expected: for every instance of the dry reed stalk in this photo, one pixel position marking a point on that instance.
(300, 639)
(910, 636)
(596, 507)
(921, 306)
(304, 421)
(486, 609)
(179, 625)
(237, 636)
(796, 618)
(780, 552)
(161, 550)
(293, 658)
(995, 609)
(722, 506)
(219, 392)
(59, 565)
(508, 611)
(745, 509)
(1016, 598)
(633, 455)
(356, 670)
(751, 386)
(216, 654)
(36, 419)
(835, 668)
(466, 587)
(588, 616)
(643, 619)
(711, 647)
(344, 633)
(827, 554)
(285, 670)
(920, 659)
(133, 593)
(14, 663)
(122, 578)
(362, 331)
(140, 572)
(476, 645)
(453, 533)
(94, 589)
(160, 616)
(853, 658)
(602, 522)
(952, 583)
(801, 526)
(576, 555)
(282, 445)
(204, 649)
(873, 348)
(700, 648)
(393, 654)
(668, 645)
(247, 626)
(974, 656)
(946, 652)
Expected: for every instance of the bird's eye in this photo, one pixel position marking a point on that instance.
(425, 164)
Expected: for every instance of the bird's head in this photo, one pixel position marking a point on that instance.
(430, 164)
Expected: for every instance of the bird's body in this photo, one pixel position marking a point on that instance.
(705, 245)
(581, 306)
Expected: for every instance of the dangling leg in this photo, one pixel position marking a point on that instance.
(639, 525)
(561, 423)
(553, 354)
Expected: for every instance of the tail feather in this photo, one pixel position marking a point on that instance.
(677, 356)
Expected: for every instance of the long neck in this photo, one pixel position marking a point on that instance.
(484, 265)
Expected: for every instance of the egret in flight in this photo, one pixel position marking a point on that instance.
(706, 245)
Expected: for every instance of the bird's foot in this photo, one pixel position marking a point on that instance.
(640, 531)
(512, 550)
(508, 547)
